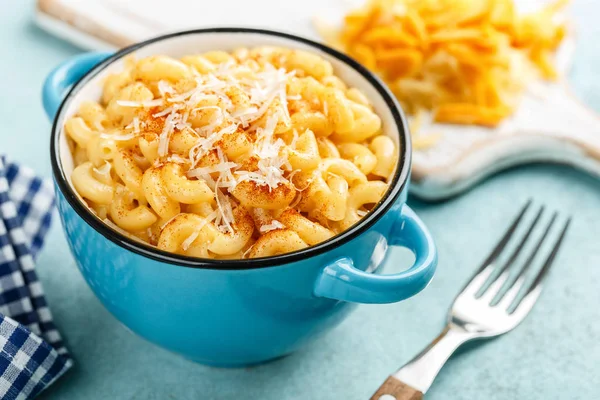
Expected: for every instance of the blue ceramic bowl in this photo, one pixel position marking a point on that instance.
(236, 312)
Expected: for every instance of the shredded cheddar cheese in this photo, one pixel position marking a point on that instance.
(466, 61)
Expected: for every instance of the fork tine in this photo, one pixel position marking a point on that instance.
(511, 294)
(521, 306)
(550, 260)
(484, 271)
(498, 282)
(517, 283)
(502, 243)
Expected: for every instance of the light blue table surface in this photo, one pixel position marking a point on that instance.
(554, 354)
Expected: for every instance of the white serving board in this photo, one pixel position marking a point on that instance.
(551, 125)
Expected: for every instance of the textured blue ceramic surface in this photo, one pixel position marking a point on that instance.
(238, 317)
(553, 354)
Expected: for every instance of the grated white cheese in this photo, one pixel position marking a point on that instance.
(220, 168)
(272, 226)
(244, 112)
(104, 171)
(184, 124)
(134, 124)
(294, 139)
(190, 239)
(98, 126)
(167, 222)
(204, 145)
(177, 159)
(166, 111)
(271, 163)
(284, 106)
(227, 179)
(245, 115)
(137, 104)
(225, 210)
(296, 201)
(150, 234)
(212, 184)
(165, 88)
(261, 93)
(194, 110)
(163, 141)
(248, 251)
(126, 136)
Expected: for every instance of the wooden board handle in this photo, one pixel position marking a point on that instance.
(549, 125)
(393, 389)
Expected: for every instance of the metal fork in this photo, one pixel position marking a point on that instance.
(492, 303)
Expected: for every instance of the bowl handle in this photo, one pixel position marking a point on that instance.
(64, 76)
(340, 280)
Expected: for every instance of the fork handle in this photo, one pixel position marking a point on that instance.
(394, 389)
(415, 377)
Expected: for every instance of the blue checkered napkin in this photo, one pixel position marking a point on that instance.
(32, 354)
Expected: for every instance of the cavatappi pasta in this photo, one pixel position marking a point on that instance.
(252, 153)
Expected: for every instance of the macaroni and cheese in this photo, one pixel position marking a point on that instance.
(252, 153)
